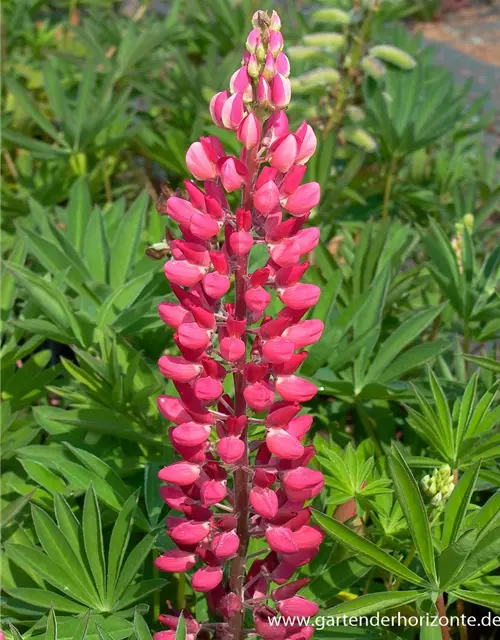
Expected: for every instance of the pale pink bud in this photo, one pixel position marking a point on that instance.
(233, 112)
(241, 242)
(264, 92)
(304, 333)
(289, 590)
(231, 348)
(190, 532)
(240, 81)
(283, 156)
(216, 104)
(230, 449)
(269, 67)
(299, 296)
(283, 65)
(308, 537)
(172, 314)
(180, 473)
(249, 131)
(231, 178)
(206, 579)
(199, 164)
(307, 143)
(172, 409)
(266, 198)
(275, 22)
(191, 335)
(283, 445)
(191, 434)
(253, 66)
(280, 539)
(215, 285)
(212, 492)
(259, 396)
(278, 350)
(302, 483)
(207, 389)
(293, 388)
(253, 40)
(225, 544)
(180, 210)
(178, 369)
(203, 226)
(257, 299)
(175, 561)
(303, 200)
(299, 426)
(275, 44)
(276, 127)
(281, 91)
(298, 606)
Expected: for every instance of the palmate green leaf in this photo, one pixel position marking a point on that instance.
(141, 629)
(371, 311)
(8, 289)
(486, 550)
(126, 241)
(413, 358)
(152, 497)
(43, 476)
(69, 526)
(103, 421)
(371, 603)
(50, 571)
(488, 515)
(32, 110)
(51, 632)
(484, 599)
(334, 578)
(139, 592)
(367, 549)
(96, 248)
(407, 332)
(59, 550)
(85, 95)
(121, 297)
(44, 598)
(412, 504)
(81, 628)
(466, 408)
(118, 542)
(92, 537)
(50, 300)
(456, 507)
(481, 414)
(133, 563)
(444, 419)
(451, 559)
(38, 148)
(79, 210)
(486, 363)
(10, 511)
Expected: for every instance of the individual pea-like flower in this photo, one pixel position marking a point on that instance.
(230, 484)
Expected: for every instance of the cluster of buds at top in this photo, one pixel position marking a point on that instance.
(244, 470)
(261, 83)
(439, 485)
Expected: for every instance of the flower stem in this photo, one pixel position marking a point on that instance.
(241, 485)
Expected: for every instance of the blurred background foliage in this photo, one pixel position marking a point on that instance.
(100, 100)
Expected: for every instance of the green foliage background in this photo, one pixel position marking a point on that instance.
(99, 103)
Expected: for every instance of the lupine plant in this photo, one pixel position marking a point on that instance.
(244, 469)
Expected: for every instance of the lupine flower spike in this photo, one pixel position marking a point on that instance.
(231, 485)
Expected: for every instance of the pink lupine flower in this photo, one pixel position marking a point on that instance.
(231, 485)
(199, 162)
